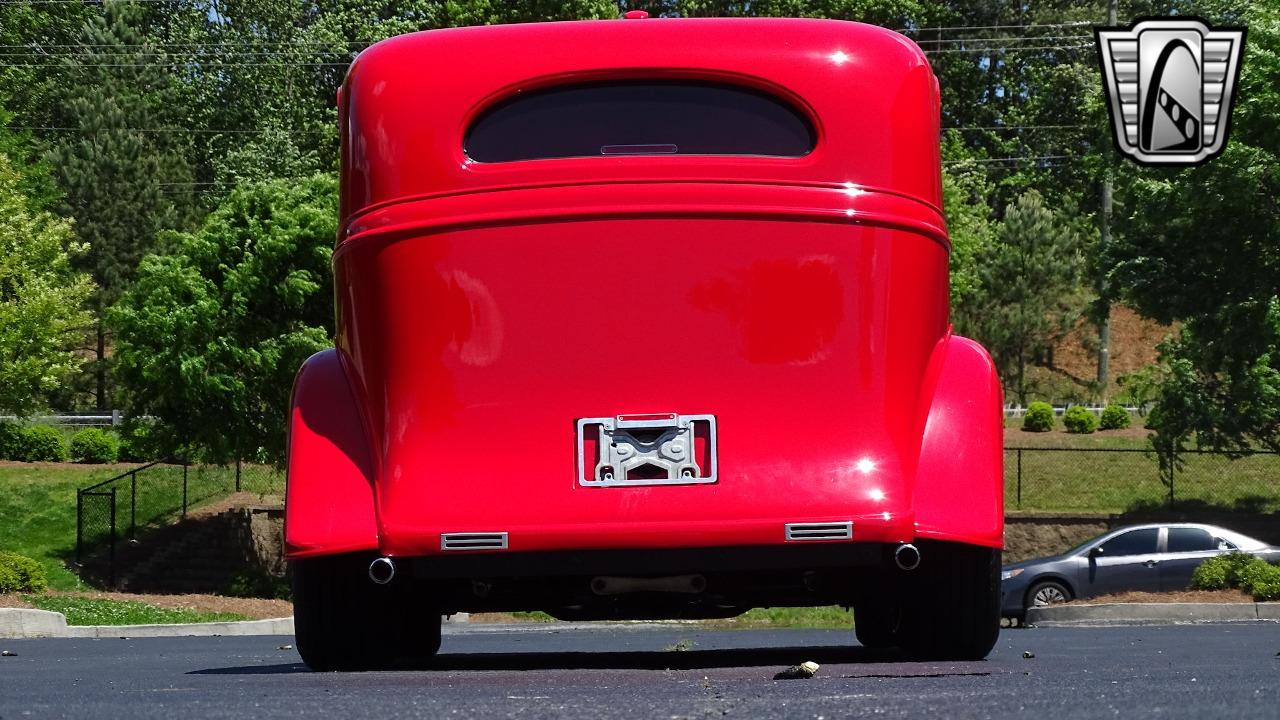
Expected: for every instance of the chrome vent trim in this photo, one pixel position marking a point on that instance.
(819, 531)
(473, 541)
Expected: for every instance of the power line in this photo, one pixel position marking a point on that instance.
(1010, 127)
(1007, 38)
(946, 28)
(1011, 158)
(201, 131)
(181, 63)
(1008, 49)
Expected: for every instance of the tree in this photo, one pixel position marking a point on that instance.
(212, 332)
(1201, 246)
(965, 189)
(1030, 285)
(41, 298)
(116, 175)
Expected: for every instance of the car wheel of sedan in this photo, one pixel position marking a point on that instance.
(953, 611)
(1047, 592)
(343, 621)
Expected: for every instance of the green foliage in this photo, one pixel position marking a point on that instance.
(1239, 570)
(94, 445)
(41, 299)
(1038, 418)
(141, 440)
(1079, 420)
(1029, 278)
(1140, 387)
(259, 585)
(1198, 246)
(1115, 417)
(19, 573)
(210, 336)
(95, 611)
(41, 443)
(10, 440)
(965, 189)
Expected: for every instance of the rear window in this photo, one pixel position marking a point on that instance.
(1190, 540)
(639, 118)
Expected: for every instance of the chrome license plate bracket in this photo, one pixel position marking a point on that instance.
(649, 449)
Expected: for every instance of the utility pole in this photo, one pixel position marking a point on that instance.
(1104, 292)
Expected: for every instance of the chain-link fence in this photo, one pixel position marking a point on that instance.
(1124, 480)
(117, 509)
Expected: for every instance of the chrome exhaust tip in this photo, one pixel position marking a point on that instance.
(907, 556)
(382, 570)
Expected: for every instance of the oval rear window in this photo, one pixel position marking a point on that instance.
(639, 118)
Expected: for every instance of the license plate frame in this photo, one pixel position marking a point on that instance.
(647, 449)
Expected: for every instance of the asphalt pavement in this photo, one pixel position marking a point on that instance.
(609, 671)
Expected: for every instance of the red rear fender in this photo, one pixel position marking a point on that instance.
(329, 495)
(959, 493)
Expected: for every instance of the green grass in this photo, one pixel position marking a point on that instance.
(38, 505)
(90, 611)
(38, 513)
(1129, 481)
(830, 616)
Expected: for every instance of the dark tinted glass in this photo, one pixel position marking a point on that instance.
(639, 118)
(1134, 542)
(1190, 540)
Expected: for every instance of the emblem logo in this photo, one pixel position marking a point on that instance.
(1170, 85)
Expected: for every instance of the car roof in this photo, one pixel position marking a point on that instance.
(1235, 537)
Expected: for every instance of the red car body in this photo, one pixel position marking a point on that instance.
(485, 308)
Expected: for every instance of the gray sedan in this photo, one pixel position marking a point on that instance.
(1147, 558)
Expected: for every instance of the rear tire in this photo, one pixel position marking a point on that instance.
(953, 611)
(875, 624)
(343, 621)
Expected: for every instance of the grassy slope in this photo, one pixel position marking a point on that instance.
(38, 513)
(1116, 482)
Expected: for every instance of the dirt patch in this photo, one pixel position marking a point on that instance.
(1186, 596)
(255, 608)
(13, 601)
(1017, 437)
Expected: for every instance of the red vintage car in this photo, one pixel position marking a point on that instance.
(643, 319)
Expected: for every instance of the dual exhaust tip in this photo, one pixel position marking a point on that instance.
(906, 557)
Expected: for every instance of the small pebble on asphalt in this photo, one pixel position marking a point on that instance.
(1028, 654)
(8, 653)
(803, 671)
(285, 647)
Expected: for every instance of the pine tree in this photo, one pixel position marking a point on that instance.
(1031, 284)
(122, 181)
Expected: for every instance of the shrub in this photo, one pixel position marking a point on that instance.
(1115, 417)
(1080, 420)
(94, 445)
(19, 573)
(41, 442)
(1222, 572)
(10, 440)
(1261, 580)
(140, 440)
(1039, 417)
(1239, 570)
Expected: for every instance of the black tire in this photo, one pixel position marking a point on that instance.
(953, 610)
(1046, 592)
(875, 624)
(343, 621)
